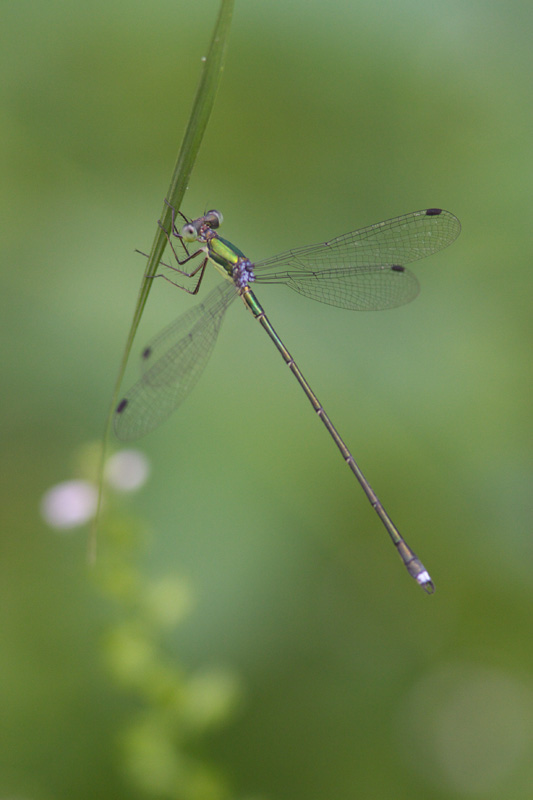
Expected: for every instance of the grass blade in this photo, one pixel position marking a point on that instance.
(201, 111)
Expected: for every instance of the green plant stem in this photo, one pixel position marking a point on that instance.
(201, 111)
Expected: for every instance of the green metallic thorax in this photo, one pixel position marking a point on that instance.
(223, 254)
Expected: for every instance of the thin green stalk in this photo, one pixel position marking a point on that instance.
(201, 111)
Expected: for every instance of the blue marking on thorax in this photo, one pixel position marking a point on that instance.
(243, 273)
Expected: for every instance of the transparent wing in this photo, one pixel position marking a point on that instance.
(364, 270)
(371, 288)
(172, 364)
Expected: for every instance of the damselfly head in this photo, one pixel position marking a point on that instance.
(195, 228)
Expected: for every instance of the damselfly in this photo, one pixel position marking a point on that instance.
(361, 271)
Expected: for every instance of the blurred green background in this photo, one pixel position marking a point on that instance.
(330, 117)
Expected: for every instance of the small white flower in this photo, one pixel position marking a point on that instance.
(69, 504)
(127, 470)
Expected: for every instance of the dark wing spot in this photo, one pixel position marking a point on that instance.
(147, 352)
(398, 268)
(433, 212)
(122, 405)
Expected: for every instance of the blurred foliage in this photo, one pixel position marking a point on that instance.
(328, 118)
(174, 709)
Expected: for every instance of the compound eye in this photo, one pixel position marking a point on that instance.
(214, 219)
(189, 233)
